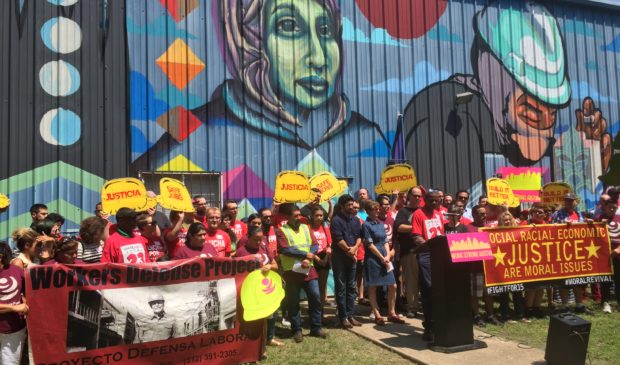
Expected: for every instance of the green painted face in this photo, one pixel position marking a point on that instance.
(303, 51)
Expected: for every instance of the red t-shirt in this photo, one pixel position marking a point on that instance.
(11, 290)
(220, 240)
(321, 237)
(186, 252)
(245, 251)
(388, 223)
(360, 251)
(240, 229)
(466, 221)
(427, 224)
(179, 240)
(156, 248)
(128, 250)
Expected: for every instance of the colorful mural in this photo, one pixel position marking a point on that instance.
(459, 89)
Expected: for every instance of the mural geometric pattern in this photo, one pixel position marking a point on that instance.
(180, 64)
(179, 122)
(179, 9)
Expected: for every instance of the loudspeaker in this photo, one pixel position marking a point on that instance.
(567, 340)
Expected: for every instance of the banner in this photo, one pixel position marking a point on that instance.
(126, 192)
(525, 182)
(173, 195)
(500, 193)
(553, 193)
(293, 187)
(465, 247)
(177, 312)
(576, 253)
(399, 177)
(328, 185)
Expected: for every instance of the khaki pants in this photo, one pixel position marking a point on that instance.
(409, 268)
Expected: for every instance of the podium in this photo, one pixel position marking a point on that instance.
(452, 315)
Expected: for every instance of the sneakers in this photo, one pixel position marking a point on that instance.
(298, 337)
(319, 333)
(372, 316)
(606, 307)
(411, 314)
(286, 323)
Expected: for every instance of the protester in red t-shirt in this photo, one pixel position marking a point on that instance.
(269, 234)
(215, 236)
(13, 308)
(150, 230)
(175, 235)
(359, 269)
(195, 244)
(426, 224)
(123, 246)
(200, 209)
(240, 229)
(65, 252)
(321, 236)
(254, 220)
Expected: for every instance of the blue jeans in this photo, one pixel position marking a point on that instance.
(314, 303)
(344, 281)
(271, 327)
(424, 263)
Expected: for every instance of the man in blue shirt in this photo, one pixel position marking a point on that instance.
(346, 232)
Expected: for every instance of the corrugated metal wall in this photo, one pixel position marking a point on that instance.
(251, 88)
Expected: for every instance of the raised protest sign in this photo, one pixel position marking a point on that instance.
(173, 195)
(500, 193)
(292, 187)
(525, 182)
(328, 185)
(576, 253)
(399, 177)
(178, 312)
(553, 193)
(465, 247)
(4, 201)
(125, 192)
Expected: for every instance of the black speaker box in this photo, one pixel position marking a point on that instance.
(567, 340)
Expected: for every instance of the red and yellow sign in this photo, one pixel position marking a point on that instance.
(547, 252)
(126, 192)
(399, 177)
(293, 187)
(500, 193)
(328, 185)
(553, 193)
(173, 195)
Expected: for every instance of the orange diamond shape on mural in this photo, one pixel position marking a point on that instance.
(180, 8)
(180, 64)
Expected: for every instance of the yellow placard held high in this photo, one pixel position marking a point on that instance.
(292, 187)
(4, 201)
(500, 193)
(328, 185)
(173, 195)
(553, 193)
(399, 177)
(126, 192)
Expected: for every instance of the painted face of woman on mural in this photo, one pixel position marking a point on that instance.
(303, 52)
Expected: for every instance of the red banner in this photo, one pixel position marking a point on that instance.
(548, 252)
(178, 312)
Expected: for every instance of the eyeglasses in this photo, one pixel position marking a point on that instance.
(266, 217)
(214, 219)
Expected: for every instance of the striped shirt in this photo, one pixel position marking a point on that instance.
(90, 253)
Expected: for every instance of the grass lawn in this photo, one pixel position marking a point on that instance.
(603, 345)
(341, 348)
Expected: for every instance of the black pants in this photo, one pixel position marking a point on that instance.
(424, 278)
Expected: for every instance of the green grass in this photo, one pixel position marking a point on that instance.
(340, 348)
(603, 345)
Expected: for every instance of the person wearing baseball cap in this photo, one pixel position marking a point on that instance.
(519, 82)
(156, 327)
(123, 246)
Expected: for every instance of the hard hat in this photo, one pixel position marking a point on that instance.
(526, 39)
(156, 298)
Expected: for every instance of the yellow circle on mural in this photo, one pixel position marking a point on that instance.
(261, 294)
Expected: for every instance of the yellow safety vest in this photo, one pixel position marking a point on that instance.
(300, 240)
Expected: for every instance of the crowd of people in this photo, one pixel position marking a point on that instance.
(377, 250)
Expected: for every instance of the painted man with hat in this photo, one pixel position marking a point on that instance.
(502, 115)
(159, 326)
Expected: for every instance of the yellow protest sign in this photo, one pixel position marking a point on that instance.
(399, 177)
(173, 195)
(261, 294)
(500, 193)
(328, 185)
(4, 201)
(292, 187)
(553, 192)
(125, 192)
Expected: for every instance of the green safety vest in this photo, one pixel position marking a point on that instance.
(300, 240)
